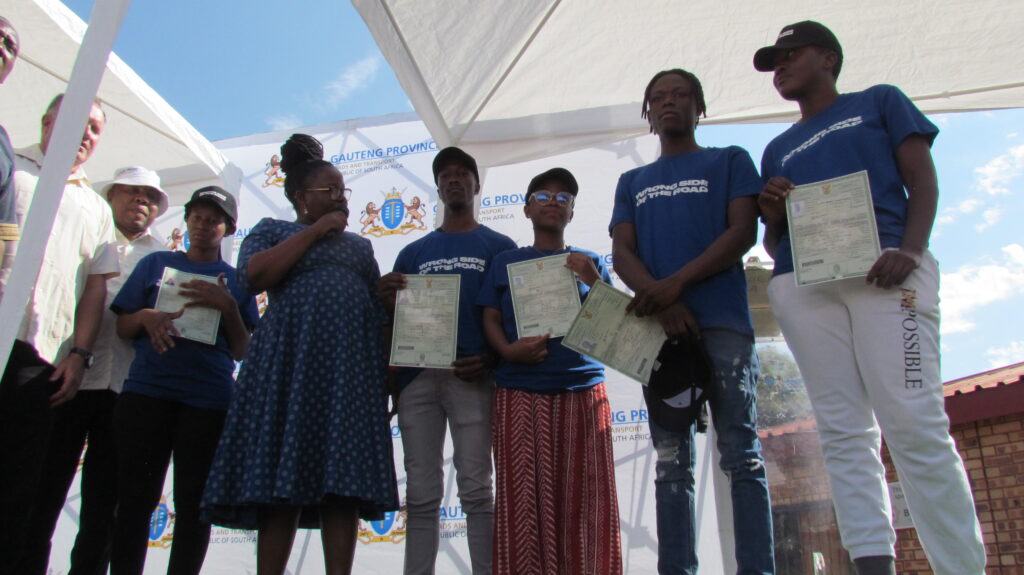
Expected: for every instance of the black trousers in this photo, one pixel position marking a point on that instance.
(88, 416)
(25, 422)
(148, 431)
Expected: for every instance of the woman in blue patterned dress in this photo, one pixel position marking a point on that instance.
(307, 441)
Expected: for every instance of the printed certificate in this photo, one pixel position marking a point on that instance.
(197, 323)
(832, 229)
(603, 331)
(544, 296)
(426, 321)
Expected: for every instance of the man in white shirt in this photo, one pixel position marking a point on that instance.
(136, 200)
(58, 329)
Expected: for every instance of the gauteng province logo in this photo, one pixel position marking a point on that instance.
(273, 173)
(161, 526)
(393, 216)
(391, 529)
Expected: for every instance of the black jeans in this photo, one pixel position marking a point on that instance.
(88, 415)
(148, 431)
(25, 422)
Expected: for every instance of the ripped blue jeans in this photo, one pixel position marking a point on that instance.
(734, 415)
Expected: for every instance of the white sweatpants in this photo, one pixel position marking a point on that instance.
(870, 359)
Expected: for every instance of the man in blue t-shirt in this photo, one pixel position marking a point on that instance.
(679, 228)
(868, 350)
(460, 396)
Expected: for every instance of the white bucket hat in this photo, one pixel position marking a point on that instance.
(139, 176)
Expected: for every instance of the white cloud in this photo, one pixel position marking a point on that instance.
(950, 214)
(994, 178)
(989, 217)
(353, 78)
(1012, 136)
(1001, 356)
(284, 122)
(975, 286)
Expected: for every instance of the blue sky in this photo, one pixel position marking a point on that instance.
(233, 68)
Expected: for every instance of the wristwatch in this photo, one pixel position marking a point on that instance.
(86, 355)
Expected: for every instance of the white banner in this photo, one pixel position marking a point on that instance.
(387, 163)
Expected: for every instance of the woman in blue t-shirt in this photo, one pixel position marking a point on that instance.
(868, 347)
(555, 507)
(178, 388)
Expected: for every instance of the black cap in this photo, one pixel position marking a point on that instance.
(558, 174)
(453, 154)
(679, 385)
(806, 33)
(217, 196)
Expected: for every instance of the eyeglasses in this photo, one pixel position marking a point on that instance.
(334, 193)
(546, 197)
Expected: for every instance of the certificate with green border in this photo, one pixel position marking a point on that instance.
(604, 331)
(426, 321)
(832, 229)
(545, 298)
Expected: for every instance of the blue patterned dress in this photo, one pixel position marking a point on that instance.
(309, 416)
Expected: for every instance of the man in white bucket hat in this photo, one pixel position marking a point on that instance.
(136, 200)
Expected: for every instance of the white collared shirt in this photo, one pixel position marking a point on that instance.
(77, 248)
(115, 355)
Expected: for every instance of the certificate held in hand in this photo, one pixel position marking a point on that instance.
(198, 323)
(545, 298)
(624, 342)
(832, 229)
(426, 321)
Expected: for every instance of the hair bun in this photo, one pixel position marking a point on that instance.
(299, 149)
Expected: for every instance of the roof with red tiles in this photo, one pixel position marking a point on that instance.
(993, 393)
(1008, 375)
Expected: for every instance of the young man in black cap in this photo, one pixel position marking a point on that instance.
(679, 228)
(462, 396)
(868, 350)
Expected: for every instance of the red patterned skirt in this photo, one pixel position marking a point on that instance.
(555, 506)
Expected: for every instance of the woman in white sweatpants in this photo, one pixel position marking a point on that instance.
(868, 350)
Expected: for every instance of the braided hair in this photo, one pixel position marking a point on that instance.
(301, 156)
(698, 92)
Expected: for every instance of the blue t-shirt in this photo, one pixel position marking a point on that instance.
(563, 369)
(8, 217)
(859, 131)
(465, 253)
(193, 373)
(679, 205)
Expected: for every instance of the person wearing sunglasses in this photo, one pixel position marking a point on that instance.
(307, 441)
(551, 418)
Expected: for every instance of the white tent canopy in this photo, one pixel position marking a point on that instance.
(142, 129)
(512, 81)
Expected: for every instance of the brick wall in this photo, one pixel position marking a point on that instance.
(993, 453)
